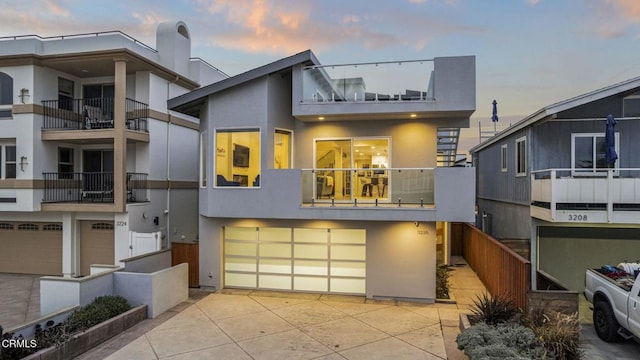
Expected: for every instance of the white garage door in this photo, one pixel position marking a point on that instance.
(31, 248)
(298, 259)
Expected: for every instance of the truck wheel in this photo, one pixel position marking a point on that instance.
(605, 322)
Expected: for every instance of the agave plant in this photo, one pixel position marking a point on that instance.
(493, 310)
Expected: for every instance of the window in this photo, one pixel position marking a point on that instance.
(503, 158)
(521, 156)
(52, 227)
(6, 95)
(65, 162)
(65, 94)
(282, 149)
(7, 161)
(28, 227)
(203, 159)
(631, 105)
(368, 157)
(588, 153)
(237, 160)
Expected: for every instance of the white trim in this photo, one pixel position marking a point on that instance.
(215, 156)
(291, 145)
(519, 140)
(202, 170)
(503, 158)
(594, 170)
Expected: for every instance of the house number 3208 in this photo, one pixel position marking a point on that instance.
(577, 217)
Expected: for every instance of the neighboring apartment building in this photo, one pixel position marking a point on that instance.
(325, 179)
(545, 179)
(89, 151)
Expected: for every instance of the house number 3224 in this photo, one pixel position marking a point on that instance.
(577, 217)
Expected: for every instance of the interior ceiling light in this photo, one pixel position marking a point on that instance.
(413, 115)
(373, 147)
(321, 118)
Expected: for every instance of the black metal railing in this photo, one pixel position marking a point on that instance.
(93, 113)
(91, 187)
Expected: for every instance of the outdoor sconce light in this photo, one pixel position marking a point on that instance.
(156, 221)
(24, 94)
(23, 163)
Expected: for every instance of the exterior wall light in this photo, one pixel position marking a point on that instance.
(23, 163)
(24, 95)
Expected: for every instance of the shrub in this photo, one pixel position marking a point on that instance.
(101, 309)
(442, 282)
(493, 310)
(504, 341)
(558, 333)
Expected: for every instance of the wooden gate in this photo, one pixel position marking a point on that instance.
(187, 253)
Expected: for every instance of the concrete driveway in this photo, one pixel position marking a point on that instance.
(267, 325)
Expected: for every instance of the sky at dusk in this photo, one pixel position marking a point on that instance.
(529, 53)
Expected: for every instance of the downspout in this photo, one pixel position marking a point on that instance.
(169, 163)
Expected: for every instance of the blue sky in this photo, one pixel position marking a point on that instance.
(529, 53)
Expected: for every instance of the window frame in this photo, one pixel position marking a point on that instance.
(65, 99)
(203, 159)
(521, 156)
(578, 172)
(63, 163)
(283, 132)
(5, 163)
(6, 88)
(503, 158)
(229, 155)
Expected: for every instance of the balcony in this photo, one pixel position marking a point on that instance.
(91, 187)
(88, 118)
(606, 196)
(368, 187)
(386, 90)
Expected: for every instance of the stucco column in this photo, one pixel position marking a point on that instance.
(119, 139)
(70, 253)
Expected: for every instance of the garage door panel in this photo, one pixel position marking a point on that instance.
(341, 268)
(241, 280)
(240, 264)
(310, 267)
(275, 250)
(306, 283)
(347, 285)
(240, 248)
(306, 251)
(278, 266)
(279, 282)
(348, 252)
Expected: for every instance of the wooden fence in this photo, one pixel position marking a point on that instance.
(502, 271)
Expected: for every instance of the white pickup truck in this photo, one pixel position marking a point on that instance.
(615, 295)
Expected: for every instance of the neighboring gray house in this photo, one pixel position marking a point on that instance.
(330, 178)
(545, 179)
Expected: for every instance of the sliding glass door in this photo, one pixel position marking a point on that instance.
(352, 168)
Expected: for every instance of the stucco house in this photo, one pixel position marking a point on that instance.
(332, 178)
(89, 152)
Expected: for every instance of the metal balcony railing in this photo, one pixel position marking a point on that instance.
(91, 187)
(93, 113)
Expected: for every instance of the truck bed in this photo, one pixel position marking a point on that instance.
(624, 281)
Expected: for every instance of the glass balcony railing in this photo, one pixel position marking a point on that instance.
(382, 81)
(407, 186)
(94, 113)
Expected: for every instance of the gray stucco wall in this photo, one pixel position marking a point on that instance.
(508, 220)
(401, 257)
